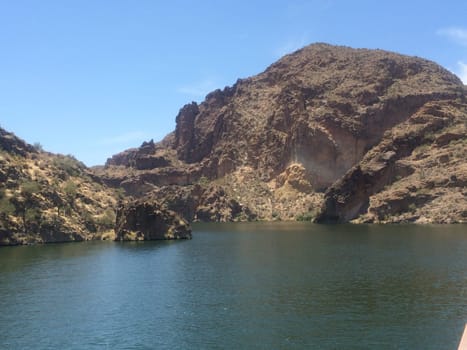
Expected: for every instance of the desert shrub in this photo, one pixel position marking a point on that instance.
(69, 164)
(33, 217)
(27, 204)
(6, 207)
(429, 136)
(106, 220)
(203, 181)
(305, 216)
(120, 192)
(70, 190)
(29, 188)
(89, 221)
(38, 147)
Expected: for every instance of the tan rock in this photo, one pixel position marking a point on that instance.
(348, 122)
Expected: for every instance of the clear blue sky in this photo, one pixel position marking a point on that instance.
(94, 77)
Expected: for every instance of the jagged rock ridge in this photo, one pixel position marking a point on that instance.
(276, 142)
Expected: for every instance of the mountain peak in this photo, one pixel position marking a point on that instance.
(275, 142)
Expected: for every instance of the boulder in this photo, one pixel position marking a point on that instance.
(144, 220)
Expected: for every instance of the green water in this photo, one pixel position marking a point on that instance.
(242, 286)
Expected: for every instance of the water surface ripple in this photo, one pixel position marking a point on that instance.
(242, 286)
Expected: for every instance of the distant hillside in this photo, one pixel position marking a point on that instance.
(327, 132)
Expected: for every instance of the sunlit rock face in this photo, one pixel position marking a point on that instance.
(313, 115)
(47, 197)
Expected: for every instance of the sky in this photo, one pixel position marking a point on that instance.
(92, 78)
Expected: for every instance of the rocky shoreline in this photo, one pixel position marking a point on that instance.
(329, 134)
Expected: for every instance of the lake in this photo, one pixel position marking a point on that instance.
(242, 286)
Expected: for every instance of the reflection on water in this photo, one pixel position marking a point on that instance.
(253, 285)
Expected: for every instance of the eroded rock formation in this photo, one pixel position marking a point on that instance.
(417, 173)
(317, 121)
(143, 220)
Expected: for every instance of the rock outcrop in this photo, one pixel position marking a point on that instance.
(14, 145)
(417, 173)
(143, 220)
(317, 121)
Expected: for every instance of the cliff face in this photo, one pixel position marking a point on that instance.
(276, 142)
(323, 107)
(417, 173)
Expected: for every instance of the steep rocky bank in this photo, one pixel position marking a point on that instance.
(48, 198)
(323, 125)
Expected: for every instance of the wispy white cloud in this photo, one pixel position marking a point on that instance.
(462, 71)
(291, 45)
(199, 89)
(457, 34)
(124, 138)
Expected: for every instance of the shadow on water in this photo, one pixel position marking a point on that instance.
(15, 258)
(148, 245)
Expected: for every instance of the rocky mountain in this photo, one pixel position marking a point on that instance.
(328, 132)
